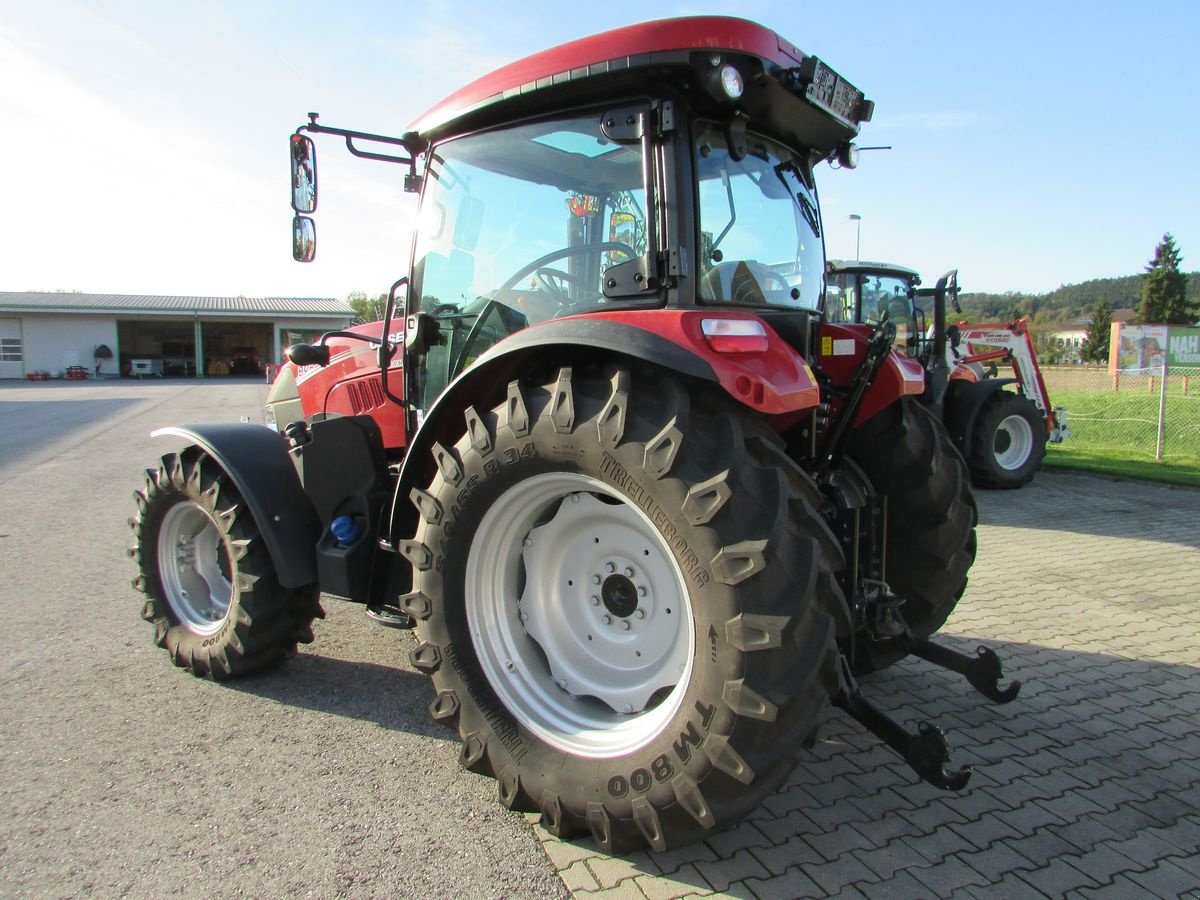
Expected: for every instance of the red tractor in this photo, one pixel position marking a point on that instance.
(650, 514)
(1002, 434)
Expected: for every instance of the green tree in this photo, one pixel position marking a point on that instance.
(1164, 287)
(366, 309)
(1095, 348)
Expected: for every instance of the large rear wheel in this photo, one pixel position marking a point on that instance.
(211, 590)
(621, 600)
(908, 456)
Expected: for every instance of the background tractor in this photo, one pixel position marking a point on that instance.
(650, 513)
(1001, 433)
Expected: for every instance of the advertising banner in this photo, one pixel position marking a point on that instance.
(1183, 347)
(1137, 347)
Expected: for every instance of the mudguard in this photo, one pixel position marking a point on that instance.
(964, 400)
(256, 459)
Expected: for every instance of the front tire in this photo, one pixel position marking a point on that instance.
(1008, 441)
(212, 594)
(622, 607)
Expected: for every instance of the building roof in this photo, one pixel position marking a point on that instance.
(1082, 322)
(72, 302)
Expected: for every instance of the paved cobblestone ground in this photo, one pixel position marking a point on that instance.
(1088, 785)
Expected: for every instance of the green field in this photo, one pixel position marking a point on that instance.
(1114, 432)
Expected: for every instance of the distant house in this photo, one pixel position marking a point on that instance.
(133, 335)
(1069, 336)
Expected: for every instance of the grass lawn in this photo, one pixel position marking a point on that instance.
(1115, 432)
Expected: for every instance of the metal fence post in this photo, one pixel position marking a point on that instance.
(1162, 412)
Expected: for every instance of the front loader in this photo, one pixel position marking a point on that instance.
(649, 512)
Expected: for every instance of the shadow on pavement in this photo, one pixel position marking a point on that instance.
(1090, 778)
(30, 426)
(390, 697)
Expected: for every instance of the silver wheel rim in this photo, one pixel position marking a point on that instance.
(579, 614)
(1013, 443)
(194, 567)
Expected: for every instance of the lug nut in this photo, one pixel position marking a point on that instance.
(640, 613)
(610, 567)
(595, 600)
(642, 592)
(596, 579)
(628, 572)
(626, 624)
(607, 620)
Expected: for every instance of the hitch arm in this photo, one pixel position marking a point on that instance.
(983, 669)
(926, 752)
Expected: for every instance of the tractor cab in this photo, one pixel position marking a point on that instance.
(869, 292)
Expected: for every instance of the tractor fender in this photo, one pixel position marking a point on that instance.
(256, 459)
(964, 400)
(776, 381)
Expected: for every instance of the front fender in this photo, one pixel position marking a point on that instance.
(256, 459)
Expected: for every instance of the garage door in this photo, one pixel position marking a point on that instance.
(12, 350)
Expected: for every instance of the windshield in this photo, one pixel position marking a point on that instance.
(760, 230)
(519, 226)
(863, 297)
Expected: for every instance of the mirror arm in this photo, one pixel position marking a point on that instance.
(387, 349)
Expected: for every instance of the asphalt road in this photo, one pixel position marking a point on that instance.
(122, 775)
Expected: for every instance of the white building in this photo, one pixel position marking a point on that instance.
(154, 335)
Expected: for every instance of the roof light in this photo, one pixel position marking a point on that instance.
(731, 82)
(735, 335)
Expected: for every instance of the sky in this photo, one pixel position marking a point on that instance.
(143, 142)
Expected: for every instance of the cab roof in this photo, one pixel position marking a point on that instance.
(866, 265)
(623, 51)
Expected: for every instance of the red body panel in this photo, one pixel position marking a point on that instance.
(776, 382)
(350, 385)
(841, 349)
(664, 35)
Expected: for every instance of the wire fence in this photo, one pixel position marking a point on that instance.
(1147, 414)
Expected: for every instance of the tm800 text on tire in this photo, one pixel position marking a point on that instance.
(212, 593)
(620, 615)
(908, 456)
(1008, 441)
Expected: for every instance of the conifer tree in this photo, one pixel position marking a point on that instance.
(1095, 347)
(1164, 287)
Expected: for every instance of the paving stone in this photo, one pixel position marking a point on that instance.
(724, 872)
(787, 885)
(949, 876)
(1146, 848)
(796, 851)
(670, 861)
(1169, 879)
(985, 831)
(1040, 847)
(626, 890)
(1057, 878)
(1084, 834)
(886, 861)
(686, 881)
(1102, 863)
(901, 886)
(834, 844)
(740, 837)
(612, 870)
(577, 877)
(843, 872)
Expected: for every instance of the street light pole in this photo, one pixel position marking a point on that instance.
(857, 220)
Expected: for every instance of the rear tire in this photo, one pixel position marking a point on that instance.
(621, 604)
(212, 594)
(1008, 441)
(908, 456)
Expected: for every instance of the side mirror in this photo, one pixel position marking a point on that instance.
(304, 173)
(304, 239)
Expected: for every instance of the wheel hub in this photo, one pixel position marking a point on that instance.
(1013, 442)
(194, 568)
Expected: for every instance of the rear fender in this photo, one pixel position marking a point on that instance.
(257, 461)
(841, 350)
(775, 381)
(964, 400)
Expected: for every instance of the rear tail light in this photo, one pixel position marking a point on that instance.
(735, 335)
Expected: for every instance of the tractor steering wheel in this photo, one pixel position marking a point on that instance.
(552, 279)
